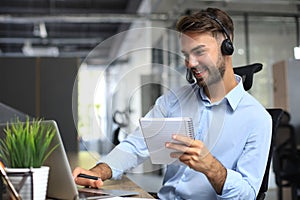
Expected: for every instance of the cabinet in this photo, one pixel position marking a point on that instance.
(286, 76)
(42, 87)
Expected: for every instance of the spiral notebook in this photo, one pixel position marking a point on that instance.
(158, 131)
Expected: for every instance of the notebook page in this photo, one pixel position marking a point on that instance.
(158, 131)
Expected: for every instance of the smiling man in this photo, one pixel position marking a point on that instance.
(228, 156)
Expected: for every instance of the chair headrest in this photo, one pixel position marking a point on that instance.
(246, 72)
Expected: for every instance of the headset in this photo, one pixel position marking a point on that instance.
(226, 46)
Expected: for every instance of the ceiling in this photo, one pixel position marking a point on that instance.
(72, 28)
(59, 27)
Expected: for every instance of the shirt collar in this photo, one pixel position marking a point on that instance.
(236, 94)
(233, 97)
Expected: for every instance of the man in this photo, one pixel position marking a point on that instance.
(228, 157)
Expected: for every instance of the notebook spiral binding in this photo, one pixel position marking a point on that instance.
(191, 128)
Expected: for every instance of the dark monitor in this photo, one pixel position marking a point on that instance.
(9, 114)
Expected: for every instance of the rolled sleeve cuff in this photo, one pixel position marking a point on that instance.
(230, 183)
(235, 188)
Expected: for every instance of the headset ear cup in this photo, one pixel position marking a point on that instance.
(227, 47)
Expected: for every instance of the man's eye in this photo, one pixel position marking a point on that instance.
(198, 53)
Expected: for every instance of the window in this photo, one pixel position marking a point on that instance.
(91, 105)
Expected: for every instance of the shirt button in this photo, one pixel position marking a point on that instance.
(184, 178)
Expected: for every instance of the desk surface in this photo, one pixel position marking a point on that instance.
(88, 160)
(126, 184)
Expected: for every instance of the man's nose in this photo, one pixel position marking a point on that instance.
(191, 62)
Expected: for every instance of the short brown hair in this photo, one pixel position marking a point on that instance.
(202, 21)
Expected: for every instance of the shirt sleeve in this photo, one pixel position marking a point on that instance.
(133, 151)
(244, 182)
(128, 154)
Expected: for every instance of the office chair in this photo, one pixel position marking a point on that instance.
(247, 73)
(286, 159)
(120, 118)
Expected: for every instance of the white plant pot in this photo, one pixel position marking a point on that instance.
(40, 181)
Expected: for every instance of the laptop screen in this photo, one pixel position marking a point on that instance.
(60, 184)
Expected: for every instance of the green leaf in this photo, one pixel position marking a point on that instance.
(27, 144)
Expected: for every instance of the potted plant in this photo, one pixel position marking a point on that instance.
(24, 149)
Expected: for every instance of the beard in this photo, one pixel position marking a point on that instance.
(215, 73)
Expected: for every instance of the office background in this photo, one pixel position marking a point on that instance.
(61, 60)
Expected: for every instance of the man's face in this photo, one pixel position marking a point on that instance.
(203, 56)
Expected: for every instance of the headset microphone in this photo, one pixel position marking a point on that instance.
(189, 76)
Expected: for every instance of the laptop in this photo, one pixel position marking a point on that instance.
(60, 183)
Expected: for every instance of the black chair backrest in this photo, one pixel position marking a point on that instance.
(247, 72)
(285, 153)
(285, 136)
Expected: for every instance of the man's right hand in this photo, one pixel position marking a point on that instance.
(103, 171)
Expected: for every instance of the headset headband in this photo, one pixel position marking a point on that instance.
(221, 25)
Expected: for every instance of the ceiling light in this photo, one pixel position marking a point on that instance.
(297, 53)
(29, 50)
(40, 30)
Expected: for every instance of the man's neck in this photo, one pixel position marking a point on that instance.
(217, 91)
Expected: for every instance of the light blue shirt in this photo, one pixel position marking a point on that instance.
(236, 130)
